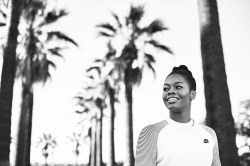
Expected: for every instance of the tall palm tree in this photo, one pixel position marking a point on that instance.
(218, 106)
(98, 98)
(100, 103)
(108, 71)
(130, 57)
(7, 81)
(93, 104)
(34, 65)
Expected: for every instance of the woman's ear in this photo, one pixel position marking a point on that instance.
(192, 94)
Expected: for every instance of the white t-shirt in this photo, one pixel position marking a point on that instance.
(184, 144)
(170, 143)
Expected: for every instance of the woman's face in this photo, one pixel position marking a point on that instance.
(176, 93)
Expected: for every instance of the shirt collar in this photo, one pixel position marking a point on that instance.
(175, 123)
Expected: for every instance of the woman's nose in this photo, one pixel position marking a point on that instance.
(171, 91)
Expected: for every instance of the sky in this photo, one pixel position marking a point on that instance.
(54, 105)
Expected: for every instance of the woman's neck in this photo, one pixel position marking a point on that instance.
(182, 115)
(178, 117)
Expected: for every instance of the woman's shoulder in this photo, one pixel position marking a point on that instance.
(155, 127)
(208, 129)
(205, 127)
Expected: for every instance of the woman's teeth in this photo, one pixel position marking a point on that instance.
(172, 99)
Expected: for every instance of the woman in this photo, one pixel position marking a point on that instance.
(178, 140)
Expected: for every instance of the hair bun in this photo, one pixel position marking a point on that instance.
(184, 71)
(181, 67)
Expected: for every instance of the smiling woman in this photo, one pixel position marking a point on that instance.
(178, 140)
(179, 90)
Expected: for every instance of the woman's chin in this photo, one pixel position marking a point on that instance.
(174, 108)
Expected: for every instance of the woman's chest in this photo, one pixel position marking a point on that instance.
(174, 145)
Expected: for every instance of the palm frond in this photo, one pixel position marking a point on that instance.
(2, 24)
(31, 8)
(40, 69)
(136, 76)
(159, 46)
(4, 17)
(89, 99)
(149, 58)
(45, 78)
(107, 26)
(95, 68)
(56, 51)
(41, 78)
(53, 16)
(135, 15)
(104, 34)
(85, 110)
(91, 77)
(61, 36)
(110, 54)
(155, 26)
(117, 20)
(51, 64)
(150, 66)
(111, 51)
(79, 97)
(109, 45)
(98, 61)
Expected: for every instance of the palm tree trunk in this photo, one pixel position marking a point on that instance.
(92, 156)
(129, 158)
(77, 152)
(25, 126)
(7, 82)
(99, 138)
(112, 124)
(218, 106)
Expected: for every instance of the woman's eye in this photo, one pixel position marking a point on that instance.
(178, 87)
(165, 89)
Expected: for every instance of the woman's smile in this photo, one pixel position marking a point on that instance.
(172, 100)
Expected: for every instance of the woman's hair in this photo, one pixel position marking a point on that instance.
(187, 74)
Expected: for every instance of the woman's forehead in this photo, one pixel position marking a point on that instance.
(175, 78)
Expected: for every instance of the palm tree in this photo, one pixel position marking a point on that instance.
(108, 71)
(133, 35)
(84, 103)
(34, 65)
(86, 108)
(218, 106)
(7, 81)
(100, 103)
(77, 140)
(93, 103)
(48, 144)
